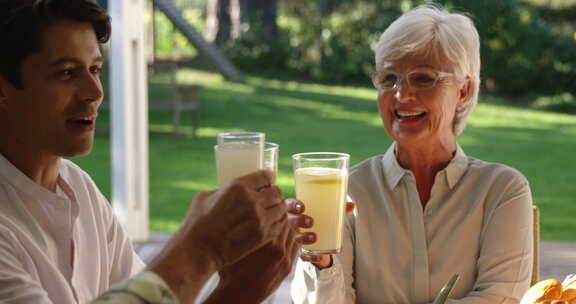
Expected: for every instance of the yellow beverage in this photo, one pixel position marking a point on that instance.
(236, 159)
(323, 191)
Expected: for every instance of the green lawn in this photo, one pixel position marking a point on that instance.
(310, 117)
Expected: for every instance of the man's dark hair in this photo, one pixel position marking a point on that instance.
(23, 23)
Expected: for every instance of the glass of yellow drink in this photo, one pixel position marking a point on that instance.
(237, 154)
(321, 184)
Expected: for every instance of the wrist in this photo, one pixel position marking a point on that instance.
(326, 262)
(232, 293)
(146, 286)
(185, 266)
(207, 249)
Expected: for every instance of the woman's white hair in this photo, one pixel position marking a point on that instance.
(447, 37)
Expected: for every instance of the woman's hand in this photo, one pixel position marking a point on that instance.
(322, 261)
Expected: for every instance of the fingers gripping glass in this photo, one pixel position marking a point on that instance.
(420, 79)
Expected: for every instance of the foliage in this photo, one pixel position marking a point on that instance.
(524, 51)
(252, 52)
(346, 41)
(170, 43)
(520, 54)
(337, 48)
(563, 103)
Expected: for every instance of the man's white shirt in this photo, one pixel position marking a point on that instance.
(63, 247)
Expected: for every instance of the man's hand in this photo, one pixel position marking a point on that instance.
(322, 261)
(255, 277)
(238, 219)
(221, 227)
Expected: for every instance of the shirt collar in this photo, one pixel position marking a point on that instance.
(457, 167)
(12, 175)
(393, 172)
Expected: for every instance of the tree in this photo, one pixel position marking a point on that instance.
(230, 19)
(218, 23)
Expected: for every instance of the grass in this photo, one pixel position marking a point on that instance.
(311, 117)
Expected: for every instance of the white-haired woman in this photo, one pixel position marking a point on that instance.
(425, 210)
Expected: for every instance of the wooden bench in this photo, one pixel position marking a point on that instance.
(186, 100)
(184, 97)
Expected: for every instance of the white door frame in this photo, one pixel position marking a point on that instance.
(129, 117)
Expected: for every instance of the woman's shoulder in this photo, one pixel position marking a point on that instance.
(497, 172)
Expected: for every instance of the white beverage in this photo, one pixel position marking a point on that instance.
(235, 159)
(323, 191)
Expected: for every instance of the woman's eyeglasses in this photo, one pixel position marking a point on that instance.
(419, 79)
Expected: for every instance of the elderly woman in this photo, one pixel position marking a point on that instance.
(424, 209)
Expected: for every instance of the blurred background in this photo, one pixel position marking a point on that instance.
(300, 72)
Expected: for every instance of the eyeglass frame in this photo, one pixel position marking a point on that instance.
(401, 76)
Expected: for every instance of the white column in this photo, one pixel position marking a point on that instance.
(129, 113)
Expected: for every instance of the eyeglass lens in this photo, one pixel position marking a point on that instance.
(419, 79)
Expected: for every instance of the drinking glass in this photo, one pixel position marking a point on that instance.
(237, 154)
(321, 184)
(271, 151)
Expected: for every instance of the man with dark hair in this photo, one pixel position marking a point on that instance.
(59, 240)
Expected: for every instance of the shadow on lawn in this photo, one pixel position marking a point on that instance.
(347, 101)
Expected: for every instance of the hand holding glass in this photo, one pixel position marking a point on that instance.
(321, 184)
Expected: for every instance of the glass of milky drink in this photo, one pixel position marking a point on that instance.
(237, 154)
(321, 184)
(271, 151)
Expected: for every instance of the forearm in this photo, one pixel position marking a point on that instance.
(483, 298)
(333, 284)
(328, 285)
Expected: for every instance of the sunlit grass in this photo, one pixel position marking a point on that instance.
(304, 117)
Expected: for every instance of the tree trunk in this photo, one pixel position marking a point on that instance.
(228, 19)
(269, 16)
(245, 12)
(218, 25)
(235, 19)
(323, 10)
(263, 13)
